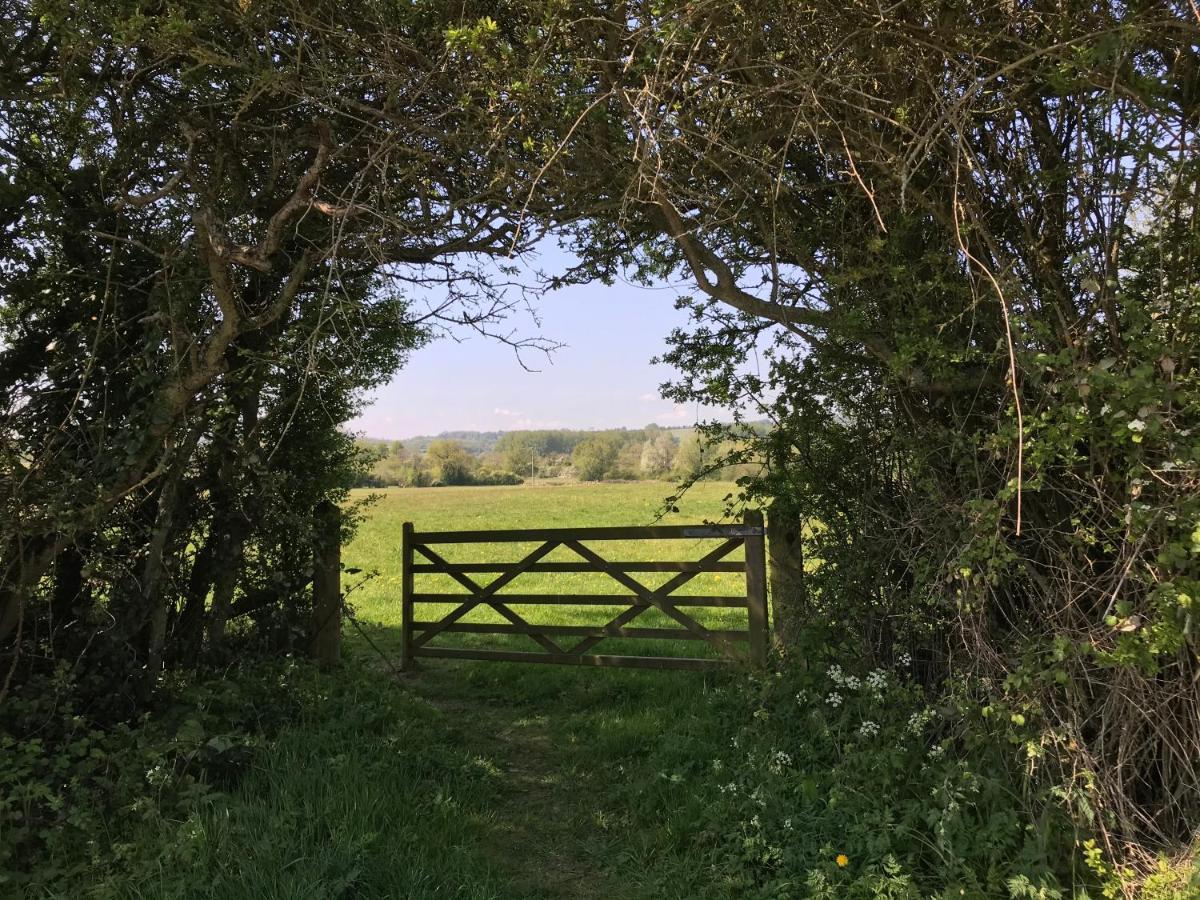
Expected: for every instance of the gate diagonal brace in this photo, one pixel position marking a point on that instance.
(480, 594)
(657, 598)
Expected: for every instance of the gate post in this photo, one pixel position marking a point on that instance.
(756, 587)
(406, 598)
(327, 584)
(786, 574)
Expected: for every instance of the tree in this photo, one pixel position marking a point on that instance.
(206, 264)
(658, 454)
(941, 224)
(449, 462)
(691, 459)
(519, 452)
(595, 456)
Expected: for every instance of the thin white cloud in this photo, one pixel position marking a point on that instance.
(501, 411)
(676, 413)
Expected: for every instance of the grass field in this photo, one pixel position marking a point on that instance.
(376, 549)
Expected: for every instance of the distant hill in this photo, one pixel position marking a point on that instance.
(478, 443)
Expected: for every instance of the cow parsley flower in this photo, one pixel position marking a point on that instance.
(868, 728)
(834, 699)
(918, 720)
(778, 761)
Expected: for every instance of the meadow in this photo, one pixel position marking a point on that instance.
(375, 591)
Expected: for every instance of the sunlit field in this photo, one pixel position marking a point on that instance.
(376, 551)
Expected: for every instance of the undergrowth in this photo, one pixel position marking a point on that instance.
(835, 783)
(272, 781)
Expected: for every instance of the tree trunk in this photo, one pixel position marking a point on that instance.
(23, 567)
(155, 570)
(71, 596)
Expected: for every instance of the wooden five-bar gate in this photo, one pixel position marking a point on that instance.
(572, 644)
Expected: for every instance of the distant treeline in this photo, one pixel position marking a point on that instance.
(511, 457)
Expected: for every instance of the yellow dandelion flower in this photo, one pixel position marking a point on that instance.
(842, 860)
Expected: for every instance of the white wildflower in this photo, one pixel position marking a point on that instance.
(778, 761)
(1136, 425)
(905, 659)
(834, 699)
(918, 720)
(787, 823)
(717, 765)
(868, 728)
(755, 822)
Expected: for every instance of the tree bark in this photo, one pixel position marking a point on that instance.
(155, 570)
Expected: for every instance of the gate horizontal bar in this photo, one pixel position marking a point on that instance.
(584, 566)
(571, 659)
(714, 600)
(658, 532)
(668, 634)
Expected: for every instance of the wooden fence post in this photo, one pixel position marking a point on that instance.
(406, 598)
(327, 584)
(756, 587)
(786, 573)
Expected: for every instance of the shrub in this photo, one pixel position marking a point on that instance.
(595, 457)
(493, 477)
(74, 790)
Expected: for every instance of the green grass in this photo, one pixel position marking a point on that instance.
(376, 549)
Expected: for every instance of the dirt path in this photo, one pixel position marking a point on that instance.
(541, 823)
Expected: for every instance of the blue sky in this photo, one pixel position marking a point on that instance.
(601, 378)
